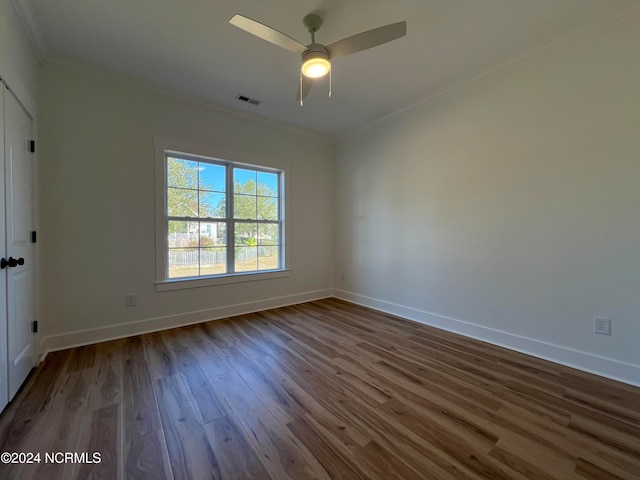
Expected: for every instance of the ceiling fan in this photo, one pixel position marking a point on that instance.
(316, 57)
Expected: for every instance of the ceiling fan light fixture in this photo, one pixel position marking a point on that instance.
(315, 64)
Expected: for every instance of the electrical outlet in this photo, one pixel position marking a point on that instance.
(602, 325)
(130, 300)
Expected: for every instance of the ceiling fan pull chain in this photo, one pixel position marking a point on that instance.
(329, 83)
(301, 94)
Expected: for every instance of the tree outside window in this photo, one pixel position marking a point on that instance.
(210, 203)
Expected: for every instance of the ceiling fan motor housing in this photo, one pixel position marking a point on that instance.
(316, 49)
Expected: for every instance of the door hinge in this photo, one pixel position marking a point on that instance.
(32, 146)
(33, 236)
(35, 326)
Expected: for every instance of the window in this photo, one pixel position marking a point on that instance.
(221, 219)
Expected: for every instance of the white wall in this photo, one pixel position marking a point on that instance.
(18, 63)
(97, 208)
(509, 211)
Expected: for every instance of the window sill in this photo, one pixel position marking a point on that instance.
(180, 284)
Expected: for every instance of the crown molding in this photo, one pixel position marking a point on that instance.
(28, 19)
(629, 13)
(168, 94)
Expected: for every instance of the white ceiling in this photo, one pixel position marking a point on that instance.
(189, 46)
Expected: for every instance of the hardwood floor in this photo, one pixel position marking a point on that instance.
(323, 390)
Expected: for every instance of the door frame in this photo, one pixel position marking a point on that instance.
(12, 85)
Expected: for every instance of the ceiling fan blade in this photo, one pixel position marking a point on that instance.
(307, 83)
(267, 33)
(368, 39)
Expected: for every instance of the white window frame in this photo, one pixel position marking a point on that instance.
(164, 147)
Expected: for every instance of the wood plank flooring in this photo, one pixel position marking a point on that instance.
(322, 390)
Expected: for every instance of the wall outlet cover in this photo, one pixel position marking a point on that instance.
(131, 300)
(602, 325)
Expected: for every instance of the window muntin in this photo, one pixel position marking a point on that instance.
(221, 218)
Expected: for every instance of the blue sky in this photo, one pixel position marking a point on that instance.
(212, 177)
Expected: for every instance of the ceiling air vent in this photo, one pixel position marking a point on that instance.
(245, 99)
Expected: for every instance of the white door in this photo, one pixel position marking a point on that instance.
(4, 373)
(19, 249)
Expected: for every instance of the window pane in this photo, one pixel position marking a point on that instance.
(267, 208)
(212, 205)
(182, 234)
(268, 184)
(267, 258)
(183, 263)
(246, 259)
(213, 261)
(246, 234)
(182, 203)
(199, 209)
(244, 181)
(244, 206)
(182, 173)
(268, 234)
(213, 234)
(212, 177)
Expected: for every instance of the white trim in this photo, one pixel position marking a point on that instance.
(19, 91)
(602, 366)
(160, 146)
(120, 79)
(164, 145)
(24, 13)
(28, 19)
(628, 14)
(180, 284)
(62, 341)
(605, 367)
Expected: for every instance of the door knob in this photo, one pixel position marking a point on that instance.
(12, 262)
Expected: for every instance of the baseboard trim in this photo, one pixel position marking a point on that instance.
(78, 338)
(602, 366)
